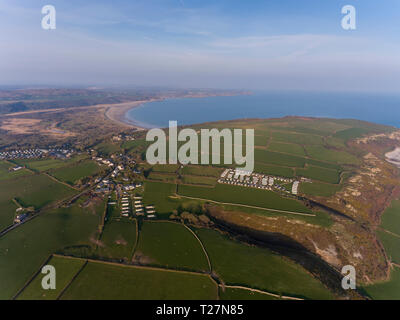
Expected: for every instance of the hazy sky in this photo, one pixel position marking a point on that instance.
(254, 44)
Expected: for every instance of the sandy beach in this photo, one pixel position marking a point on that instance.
(394, 157)
(117, 112)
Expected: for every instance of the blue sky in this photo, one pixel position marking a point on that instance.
(263, 45)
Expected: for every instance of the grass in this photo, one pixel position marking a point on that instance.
(66, 269)
(166, 168)
(5, 174)
(207, 181)
(391, 244)
(319, 189)
(287, 148)
(331, 155)
(164, 177)
(240, 264)
(35, 190)
(299, 138)
(280, 159)
(389, 290)
(321, 174)
(391, 218)
(170, 245)
(26, 248)
(273, 170)
(74, 173)
(7, 213)
(41, 165)
(202, 171)
(118, 240)
(107, 148)
(242, 195)
(112, 282)
(158, 194)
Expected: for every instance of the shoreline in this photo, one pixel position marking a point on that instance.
(117, 112)
(394, 156)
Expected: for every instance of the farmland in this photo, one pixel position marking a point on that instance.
(117, 240)
(6, 174)
(107, 281)
(171, 245)
(388, 290)
(66, 269)
(72, 174)
(241, 264)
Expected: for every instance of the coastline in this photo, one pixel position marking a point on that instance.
(394, 156)
(117, 112)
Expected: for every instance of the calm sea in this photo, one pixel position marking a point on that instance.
(378, 108)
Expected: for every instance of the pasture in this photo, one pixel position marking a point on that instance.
(109, 281)
(170, 245)
(241, 264)
(72, 174)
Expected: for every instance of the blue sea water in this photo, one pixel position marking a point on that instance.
(378, 108)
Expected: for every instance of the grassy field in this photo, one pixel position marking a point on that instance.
(280, 159)
(240, 264)
(106, 281)
(319, 189)
(171, 245)
(331, 155)
(287, 148)
(273, 170)
(242, 195)
(299, 138)
(5, 174)
(66, 269)
(389, 290)
(35, 190)
(391, 218)
(7, 213)
(164, 177)
(207, 181)
(157, 194)
(41, 165)
(202, 171)
(118, 240)
(321, 174)
(166, 168)
(391, 244)
(72, 174)
(26, 248)
(107, 148)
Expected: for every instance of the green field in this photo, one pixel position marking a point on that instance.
(280, 159)
(26, 248)
(76, 172)
(117, 240)
(106, 281)
(66, 269)
(7, 213)
(319, 189)
(273, 170)
(299, 138)
(287, 148)
(321, 174)
(331, 155)
(242, 195)
(389, 290)
(202, 171)
(240, 264)
(5, 174)
(391, 218)
(391, 244)
(164, 177)
(157, 194)
(166, 168)
(41, 165)
(207, 181)
(35, 190)
(171, 245)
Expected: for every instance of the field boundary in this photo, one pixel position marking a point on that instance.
(260, 291)
(72, 280)
(252, 207)
(32, 278)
